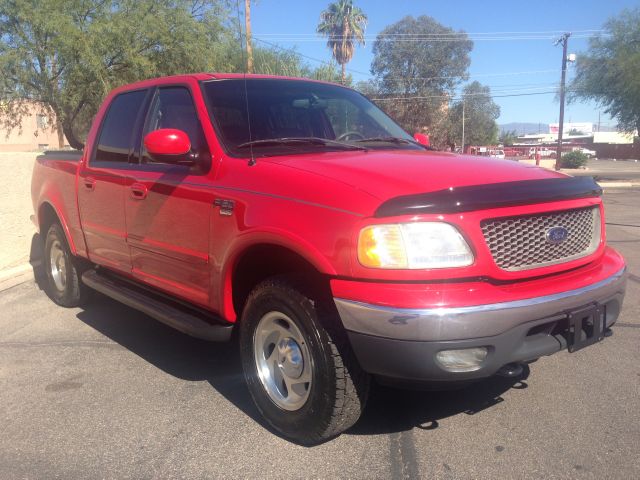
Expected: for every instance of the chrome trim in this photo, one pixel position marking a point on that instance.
(596, 235)
(475, 321)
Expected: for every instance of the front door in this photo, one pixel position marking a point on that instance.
(101, 183)
(168, 207)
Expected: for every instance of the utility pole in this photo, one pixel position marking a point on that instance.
(564, 39)
(462, 125)
(247, 24)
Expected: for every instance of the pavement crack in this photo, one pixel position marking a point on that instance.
(622, 224)
(626, 325)
(70, 343)
(402, 453)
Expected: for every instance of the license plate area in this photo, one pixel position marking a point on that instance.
(585, 327)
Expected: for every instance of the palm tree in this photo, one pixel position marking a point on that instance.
(344, 24)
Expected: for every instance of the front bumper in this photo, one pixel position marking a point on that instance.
(402, 343)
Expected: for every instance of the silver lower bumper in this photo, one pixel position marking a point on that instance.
(439, 324)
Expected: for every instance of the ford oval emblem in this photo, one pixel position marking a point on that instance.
(557, 235)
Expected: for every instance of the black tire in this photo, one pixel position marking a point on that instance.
(62, 270)
(338, 389)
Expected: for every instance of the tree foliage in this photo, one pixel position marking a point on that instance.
(609, 72)
(480, 114)
(417, 72)
(508, 137)
(66, 55)
(344, 25)
(573, 160)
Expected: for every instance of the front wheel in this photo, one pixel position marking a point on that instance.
(298, 364)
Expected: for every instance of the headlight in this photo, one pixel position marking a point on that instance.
(413, 246)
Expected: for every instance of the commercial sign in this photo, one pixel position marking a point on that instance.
(585, 128)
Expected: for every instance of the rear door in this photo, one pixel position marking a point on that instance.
(168, 207)
(101, 187)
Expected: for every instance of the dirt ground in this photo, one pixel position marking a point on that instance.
(15, 208)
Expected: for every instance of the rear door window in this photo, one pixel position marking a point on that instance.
(119, 127)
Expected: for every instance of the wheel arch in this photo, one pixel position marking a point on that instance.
(47, 215)
(259, 261)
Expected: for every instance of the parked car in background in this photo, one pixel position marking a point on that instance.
(586, 151)
(542, 152)
(497, 154)
(300, 216)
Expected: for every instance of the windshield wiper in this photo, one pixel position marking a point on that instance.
(396, 140)
(300, 141)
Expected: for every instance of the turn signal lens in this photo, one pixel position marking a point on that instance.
(381, 246)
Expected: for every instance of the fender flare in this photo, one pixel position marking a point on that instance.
(267, 237)
(61, 220)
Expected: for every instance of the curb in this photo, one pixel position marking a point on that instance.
(619, 184)
(10, 277)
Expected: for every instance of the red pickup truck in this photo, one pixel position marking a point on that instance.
(299, 215)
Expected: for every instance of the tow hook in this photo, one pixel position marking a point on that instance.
(510, 370)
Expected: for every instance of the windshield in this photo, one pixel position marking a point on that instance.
(290, 116)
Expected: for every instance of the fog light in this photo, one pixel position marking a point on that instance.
(464, 360)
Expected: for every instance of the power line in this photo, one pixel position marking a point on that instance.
(478, 75)
(446, 34)
(452, 97)
(435, 37)
(324, 62)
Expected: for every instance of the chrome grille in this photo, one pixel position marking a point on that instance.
(520, 243)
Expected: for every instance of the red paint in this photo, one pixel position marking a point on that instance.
(167, 141)
(422, 139)
(176, 239)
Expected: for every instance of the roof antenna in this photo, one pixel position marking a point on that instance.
(252, 160)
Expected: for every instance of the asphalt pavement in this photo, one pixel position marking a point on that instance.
(106, 392)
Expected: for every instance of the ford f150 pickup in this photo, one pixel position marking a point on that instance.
(339, 248)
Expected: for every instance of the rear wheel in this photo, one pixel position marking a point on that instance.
(298, 364)
(62, 270)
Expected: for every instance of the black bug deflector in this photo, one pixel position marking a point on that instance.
(493, 195)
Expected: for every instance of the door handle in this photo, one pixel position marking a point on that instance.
(138, 191)
(89, 183)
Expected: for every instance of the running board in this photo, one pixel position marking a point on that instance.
(153, 305)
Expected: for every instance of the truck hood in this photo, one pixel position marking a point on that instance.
(386, 174)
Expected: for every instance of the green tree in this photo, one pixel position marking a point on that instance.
(344, 25)
(508, 137)
(66, 55)
(609, 72)
(416, 72)
(480, 114)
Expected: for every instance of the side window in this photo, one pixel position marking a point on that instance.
(117, 132)
(173, 107)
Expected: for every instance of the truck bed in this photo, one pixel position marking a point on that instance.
(53, 188)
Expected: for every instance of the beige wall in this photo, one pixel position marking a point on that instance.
(31, 136)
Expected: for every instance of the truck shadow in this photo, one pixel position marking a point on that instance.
(389, 410)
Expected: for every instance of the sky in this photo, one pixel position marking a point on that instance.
(509, 65)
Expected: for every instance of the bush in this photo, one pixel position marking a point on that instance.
(574, 160)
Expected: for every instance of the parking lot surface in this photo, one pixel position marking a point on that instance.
(106, 392)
